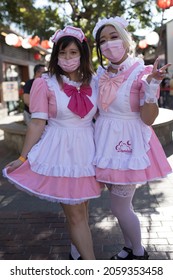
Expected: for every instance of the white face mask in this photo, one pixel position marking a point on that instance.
(113, 50)
(69, 65)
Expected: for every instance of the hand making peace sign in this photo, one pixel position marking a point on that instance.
(158, 74)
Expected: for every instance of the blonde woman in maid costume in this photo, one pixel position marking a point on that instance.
(56, 160)
(127, 150)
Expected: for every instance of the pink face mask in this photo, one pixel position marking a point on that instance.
(69, 65)
(113, 50)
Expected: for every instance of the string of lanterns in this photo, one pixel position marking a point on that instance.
(12, 39)
(153, 38)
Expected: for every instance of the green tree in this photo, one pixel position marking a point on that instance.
(44, 20)
(85, 13)
(28, 18)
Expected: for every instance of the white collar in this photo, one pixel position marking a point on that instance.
(127, 63)
(70, 82)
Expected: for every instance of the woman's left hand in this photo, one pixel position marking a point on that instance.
(158, 74)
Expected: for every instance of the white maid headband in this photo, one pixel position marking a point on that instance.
(68, 31)
(110, 21)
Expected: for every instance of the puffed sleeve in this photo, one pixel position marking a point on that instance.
(39, 99)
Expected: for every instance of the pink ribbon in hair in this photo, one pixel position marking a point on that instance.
(79, 102)
(108, 87)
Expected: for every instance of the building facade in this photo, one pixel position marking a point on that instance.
(16, 67)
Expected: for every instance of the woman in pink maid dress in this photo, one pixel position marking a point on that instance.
(127, 150)
(56, 160)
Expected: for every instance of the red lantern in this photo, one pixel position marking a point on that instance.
(164, 4)
(19, 42)
(142, 44)
(45, 44)
(34, 41)
(37, 56)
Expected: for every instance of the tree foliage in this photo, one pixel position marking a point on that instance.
(28, 18)
(44, 20)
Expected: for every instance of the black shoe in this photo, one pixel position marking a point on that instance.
(128, 257)
(144, 257)
(71, 258)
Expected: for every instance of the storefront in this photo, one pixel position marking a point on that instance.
(16, 67)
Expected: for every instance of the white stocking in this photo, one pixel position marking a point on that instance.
(122, 209)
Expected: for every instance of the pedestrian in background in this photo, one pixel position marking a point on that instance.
(164, 101)
(39, 69)
(171, 93)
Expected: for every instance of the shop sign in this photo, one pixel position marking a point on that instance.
(10, 91)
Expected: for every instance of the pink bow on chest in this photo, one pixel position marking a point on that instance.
(79, 102)
(108, 87)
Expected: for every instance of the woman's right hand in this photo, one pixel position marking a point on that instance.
(158, 74)
(13, 165)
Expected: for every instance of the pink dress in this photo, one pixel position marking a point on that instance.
(59, 167)
(127, 150)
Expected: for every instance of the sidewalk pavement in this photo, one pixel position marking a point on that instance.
(34, 229)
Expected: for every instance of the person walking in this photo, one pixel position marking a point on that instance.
(171, 93)
(164, 93)
(56, 160)
(128, 152)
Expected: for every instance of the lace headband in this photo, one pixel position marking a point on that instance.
(68, 31)
(110, 21)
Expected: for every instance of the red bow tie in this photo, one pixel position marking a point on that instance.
(79, 102)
